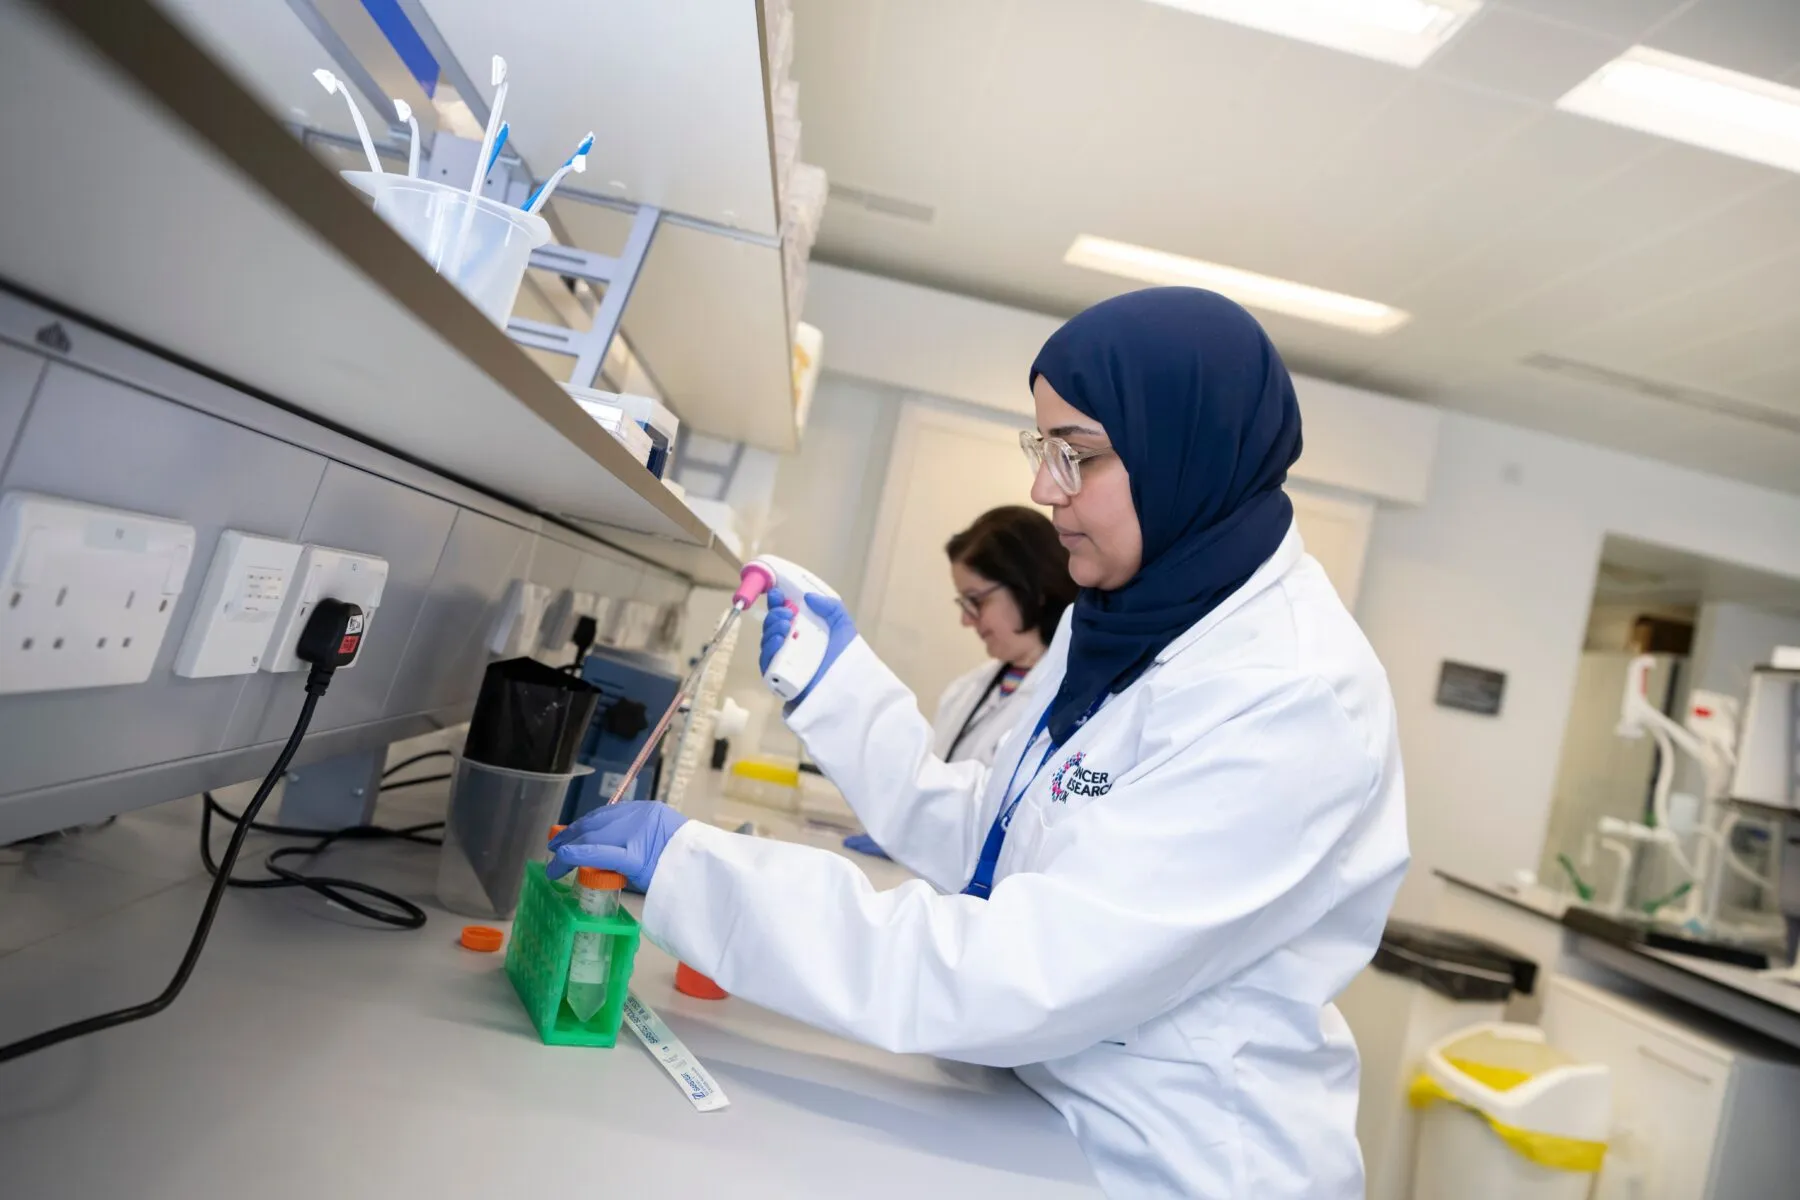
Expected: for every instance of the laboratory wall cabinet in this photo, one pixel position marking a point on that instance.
(85, 416)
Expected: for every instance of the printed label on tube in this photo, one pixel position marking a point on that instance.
(702, 1090)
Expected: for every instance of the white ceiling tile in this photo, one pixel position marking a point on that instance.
(1551, 161)
(1230, 187)
(1742, 352)
(1042, 99)
(1524, 56)
(1757, 37)
(1724, 244)
(834, 54)
(1430, 132)
(1635, 423)
(1314, 349)
(1778, 387)
(1434, 129)
(1648, 199)
(1625, 18)
(893, 125)
(1411, 379)
(1463, 291)
(1642, 339)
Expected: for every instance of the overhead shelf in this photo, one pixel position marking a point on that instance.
(157, 197)
(677, 98)
(707, 566)
(676, 95)
(709, 318)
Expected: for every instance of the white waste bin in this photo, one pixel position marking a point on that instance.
(1504, 1116)
(1424, 985)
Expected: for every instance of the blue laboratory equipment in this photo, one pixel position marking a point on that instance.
(635, 689)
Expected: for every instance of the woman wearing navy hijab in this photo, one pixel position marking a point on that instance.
(1147, 904)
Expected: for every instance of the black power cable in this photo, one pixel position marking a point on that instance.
(327, 644)
(406, 783)
(417, 758)
(400, 912)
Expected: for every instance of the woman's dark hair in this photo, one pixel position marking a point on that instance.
(1017, 548)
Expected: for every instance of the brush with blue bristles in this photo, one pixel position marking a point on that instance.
(577, 163)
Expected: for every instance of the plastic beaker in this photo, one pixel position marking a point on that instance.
(498, 820)
(489, 265)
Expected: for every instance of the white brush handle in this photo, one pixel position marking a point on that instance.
(487, 150)
(362, 130)
(538, 201)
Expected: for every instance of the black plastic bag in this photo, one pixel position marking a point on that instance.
(530, 717)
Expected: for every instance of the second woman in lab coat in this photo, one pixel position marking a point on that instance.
(1012, 585)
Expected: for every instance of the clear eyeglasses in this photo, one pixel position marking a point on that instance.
(1063, 459)
(971, 602)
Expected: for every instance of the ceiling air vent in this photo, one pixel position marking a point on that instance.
(1672, 393)
(878, 202)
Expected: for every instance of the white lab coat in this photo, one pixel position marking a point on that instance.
(994, 718)
(1184, 888)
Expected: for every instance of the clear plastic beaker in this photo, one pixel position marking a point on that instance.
(487, 262)
(498, 820)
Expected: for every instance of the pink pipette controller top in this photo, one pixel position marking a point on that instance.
(752, 583)
(792, 667)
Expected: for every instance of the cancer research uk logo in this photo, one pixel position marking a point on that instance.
(1075, 778)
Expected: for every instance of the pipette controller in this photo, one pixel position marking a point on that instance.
(790, 671)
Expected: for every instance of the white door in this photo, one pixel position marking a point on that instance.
(947, 468)
(1335, 529)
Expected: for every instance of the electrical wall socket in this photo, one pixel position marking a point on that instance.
(634, 625)
(238, 606)
(324, 574)
(520, 621)
(86, 593)
(559, 622)
(606, 617)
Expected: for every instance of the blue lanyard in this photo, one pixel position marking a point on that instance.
(983, 882)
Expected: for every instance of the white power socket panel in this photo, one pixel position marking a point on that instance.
(86, 593)
(635, 625)
(239, 603)
(324, 574)
(559, 622)
(521, 620)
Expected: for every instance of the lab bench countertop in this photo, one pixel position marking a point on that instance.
(313, 1056)
(1756, 1000)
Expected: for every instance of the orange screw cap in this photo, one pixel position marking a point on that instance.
(690, 982)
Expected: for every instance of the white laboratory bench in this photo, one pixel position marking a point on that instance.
(1530, 923)
(314, 1056)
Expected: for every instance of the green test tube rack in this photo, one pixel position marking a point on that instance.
(537, 961)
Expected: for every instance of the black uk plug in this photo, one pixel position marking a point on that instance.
(332, 639)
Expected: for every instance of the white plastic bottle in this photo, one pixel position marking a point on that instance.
(598, 893)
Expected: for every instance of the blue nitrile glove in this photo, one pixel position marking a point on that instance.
(780, 623)
(627, 837)
(862, 843)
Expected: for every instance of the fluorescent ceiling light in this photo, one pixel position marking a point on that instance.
(1694, 102)
(1398, 31)
(1246, 287)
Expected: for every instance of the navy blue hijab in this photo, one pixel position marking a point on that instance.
(1200, 408)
